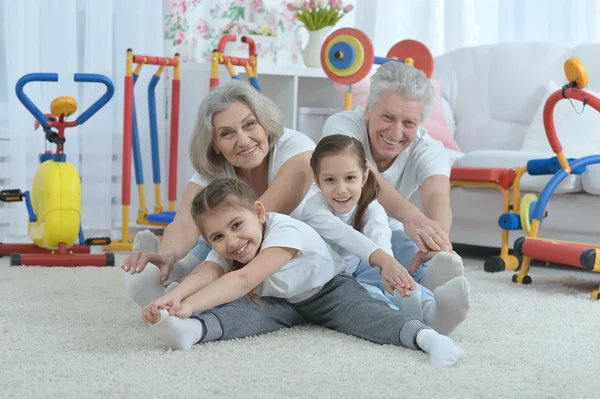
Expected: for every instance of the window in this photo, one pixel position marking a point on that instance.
(3, 75)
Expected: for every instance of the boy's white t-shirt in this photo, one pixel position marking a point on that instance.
(313, 266)
(288, 146)
(338, 231)
(424, 157)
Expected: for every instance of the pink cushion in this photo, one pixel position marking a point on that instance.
(436, 125)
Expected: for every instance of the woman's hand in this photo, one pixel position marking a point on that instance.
(136, 262)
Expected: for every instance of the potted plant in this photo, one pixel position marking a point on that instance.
(318, 17)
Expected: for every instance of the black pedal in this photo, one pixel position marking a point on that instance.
(97, 241)
(14, 195)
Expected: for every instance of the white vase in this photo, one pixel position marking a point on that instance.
(311, 53)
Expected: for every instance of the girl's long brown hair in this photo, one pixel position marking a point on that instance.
(336, 144)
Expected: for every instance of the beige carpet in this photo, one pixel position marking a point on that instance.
(73, 333)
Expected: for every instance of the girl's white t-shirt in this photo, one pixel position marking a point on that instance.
(288, 146)
(313, 266)
(338, 231)
(424, 157)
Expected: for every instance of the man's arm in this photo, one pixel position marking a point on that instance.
(435, 197)
(426, 233)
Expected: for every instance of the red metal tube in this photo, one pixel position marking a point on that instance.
(554, 98)
(64, 260)
(213, 83)
(174, 136)
(151, 60)
(561, 252)
(127, 137)
(237, 61)
(250, 41)
(8, 249)
(224, 40)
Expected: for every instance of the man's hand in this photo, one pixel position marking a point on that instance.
(427, 234)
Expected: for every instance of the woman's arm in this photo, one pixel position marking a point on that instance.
(290, 186)
(235, 285)
(181, 234)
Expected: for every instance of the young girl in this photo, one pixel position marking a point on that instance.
(269, 271)
(349, 218)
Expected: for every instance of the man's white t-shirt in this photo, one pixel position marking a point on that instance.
(424, 157)
(313, 266)
(288, 146)
(338, 231)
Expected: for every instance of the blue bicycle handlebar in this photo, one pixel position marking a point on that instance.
(95, 107)
(31, 107)
(53, 77)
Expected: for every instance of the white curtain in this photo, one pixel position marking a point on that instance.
(445, 25)
(65, 37)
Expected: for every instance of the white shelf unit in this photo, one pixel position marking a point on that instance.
(290, 88)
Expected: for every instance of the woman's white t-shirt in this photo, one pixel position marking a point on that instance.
(424, 157)
(338, 231)
(288, 146)
(313, 266)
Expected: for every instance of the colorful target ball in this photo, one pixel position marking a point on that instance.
(347, 56)
(417, 51)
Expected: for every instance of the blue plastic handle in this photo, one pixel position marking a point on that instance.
(95, 107)
(53, 77)
(31, 107)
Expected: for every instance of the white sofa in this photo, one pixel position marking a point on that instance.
(491, 95)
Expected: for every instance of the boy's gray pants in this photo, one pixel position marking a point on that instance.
(342, 305)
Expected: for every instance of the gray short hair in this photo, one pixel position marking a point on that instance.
(203, 157)
(404, 79)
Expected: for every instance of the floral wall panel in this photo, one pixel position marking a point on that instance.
(193, 29)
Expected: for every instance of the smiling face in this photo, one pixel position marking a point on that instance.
(392, 125)
(239, 137)
(341, 181)
(234, 231)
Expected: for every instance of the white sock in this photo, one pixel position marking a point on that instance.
(450, 307)
(442, 351)
(180, 334)
(183, 267)
(144, 287)
(443, 267)
(411, 304)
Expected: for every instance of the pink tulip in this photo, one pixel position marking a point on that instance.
(348, 8)
(306, 6)
(290, 7)
(314, 4)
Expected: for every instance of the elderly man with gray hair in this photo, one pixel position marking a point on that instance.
(406, 160)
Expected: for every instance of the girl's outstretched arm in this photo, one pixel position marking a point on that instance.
(205, 274)
(236, 284)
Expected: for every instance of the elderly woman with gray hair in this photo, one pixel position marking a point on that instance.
(405, 160)
(239, 133)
